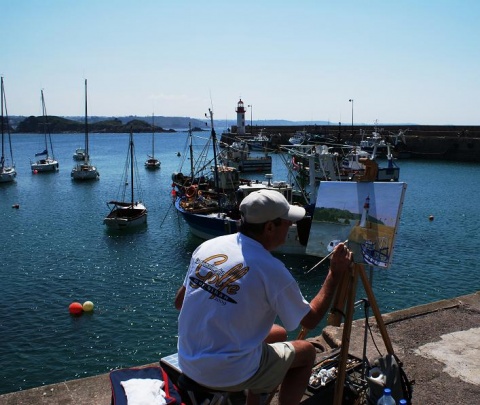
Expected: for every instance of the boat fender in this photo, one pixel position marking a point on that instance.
(191, 191)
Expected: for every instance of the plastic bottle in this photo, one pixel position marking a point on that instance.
(387, 398)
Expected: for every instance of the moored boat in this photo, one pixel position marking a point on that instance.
(209, 201)
(7, 166)
(85, 170)
(126, 214)
(48, 163)
(237, 155)
(152, 162)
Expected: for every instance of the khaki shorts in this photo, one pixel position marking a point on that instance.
(274, 364)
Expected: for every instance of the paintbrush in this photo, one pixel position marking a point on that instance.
(325, 258)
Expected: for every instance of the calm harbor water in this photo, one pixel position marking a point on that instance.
(56, 250)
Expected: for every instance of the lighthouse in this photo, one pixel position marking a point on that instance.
(240, 118)
(366, 206)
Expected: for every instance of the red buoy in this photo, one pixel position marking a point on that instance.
(75, 308)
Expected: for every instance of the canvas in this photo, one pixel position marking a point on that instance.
(366, 214)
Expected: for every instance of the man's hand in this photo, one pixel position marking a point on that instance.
(340, 261)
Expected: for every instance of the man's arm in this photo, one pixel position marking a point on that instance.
(340, 262)
(179, 296)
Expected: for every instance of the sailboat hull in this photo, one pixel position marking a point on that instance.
(7, 175)
(85, 172)
(152, 164)
(126, 216)
(45, 165)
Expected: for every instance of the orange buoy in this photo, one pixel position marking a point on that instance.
(75, 308)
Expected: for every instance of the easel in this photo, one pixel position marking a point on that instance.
(344, 304)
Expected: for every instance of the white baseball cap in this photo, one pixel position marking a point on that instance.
(266, 205)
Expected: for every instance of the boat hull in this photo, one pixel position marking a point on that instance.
(7, 175)
(45, 165)
(251, 165)
(84, 172)
(152, 164)
(209, 226)
(126, 217)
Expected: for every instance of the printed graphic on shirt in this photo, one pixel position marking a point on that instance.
(219, 282)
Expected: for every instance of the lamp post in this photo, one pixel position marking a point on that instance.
(251, 121)
(351, 101)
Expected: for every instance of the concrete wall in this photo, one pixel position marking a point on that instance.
(449, 142)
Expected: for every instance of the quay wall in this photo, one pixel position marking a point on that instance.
(442, 142)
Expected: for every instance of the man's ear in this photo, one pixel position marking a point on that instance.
(269, 227)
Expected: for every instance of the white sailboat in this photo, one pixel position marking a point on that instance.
(85, 170)
(7, 167)
(127, 214)
(152, 162)
(47, 164)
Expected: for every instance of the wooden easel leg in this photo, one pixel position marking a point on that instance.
(338, 306)
(347, 330)
(351, 285)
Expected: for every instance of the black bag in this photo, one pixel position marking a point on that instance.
(391, 375)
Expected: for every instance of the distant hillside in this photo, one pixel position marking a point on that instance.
(23, 124)
(63, 125)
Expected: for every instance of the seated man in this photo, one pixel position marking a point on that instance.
(234, 290)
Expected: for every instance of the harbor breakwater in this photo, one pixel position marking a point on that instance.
(441, 142)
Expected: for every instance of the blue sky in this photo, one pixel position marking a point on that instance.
(401, 61)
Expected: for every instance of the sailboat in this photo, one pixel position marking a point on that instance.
(7, 171)
(85, 170)
(152, 162)
(47, 164)
(127, 214)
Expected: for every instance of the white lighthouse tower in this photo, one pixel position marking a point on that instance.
(240, 118)
(366, 207)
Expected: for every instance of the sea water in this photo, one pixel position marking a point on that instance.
(55, 250)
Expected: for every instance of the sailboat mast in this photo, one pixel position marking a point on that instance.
(131, 166)
(214, 140)
(191, 151)
(153, 135)
(45, 123)
(87, 155)
(2, 162)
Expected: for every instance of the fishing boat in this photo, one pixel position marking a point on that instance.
(48, 163)
(354, 164)
(152, 162)
(85, 170)
(238, 155)
(299, 138)
(7, 166)
(209, 200)
(375, 254)
(127, 214)
(259, 142)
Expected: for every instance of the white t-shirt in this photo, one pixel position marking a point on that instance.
(234, 291)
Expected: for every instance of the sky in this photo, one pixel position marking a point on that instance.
(400, 61)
